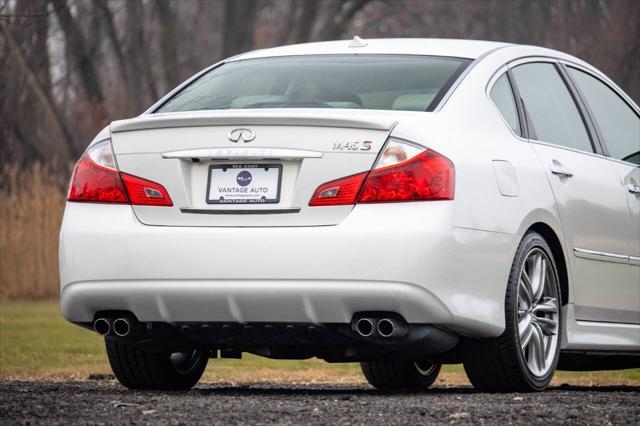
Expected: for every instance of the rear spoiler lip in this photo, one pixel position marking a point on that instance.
(378, 120)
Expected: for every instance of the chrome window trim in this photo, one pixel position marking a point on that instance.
(605, 80)
(577, 151)
(529, 59)
(566, 148)
(605, 257)
(487, 91)
(612, 86)
(556, 62)
(626, 163)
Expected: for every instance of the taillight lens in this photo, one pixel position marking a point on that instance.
(406, 172)
(403, 172)
(144, 192)
(96, 179)
(338, 192)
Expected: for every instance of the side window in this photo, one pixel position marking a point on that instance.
(503, 98)
(618, 123)
(551, 111)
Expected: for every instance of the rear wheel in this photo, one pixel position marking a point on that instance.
(136, 368)
(400, 374)
(525, 356)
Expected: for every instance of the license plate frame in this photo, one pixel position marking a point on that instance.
(243, 167)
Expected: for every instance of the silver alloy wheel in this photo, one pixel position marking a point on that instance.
(538, 312)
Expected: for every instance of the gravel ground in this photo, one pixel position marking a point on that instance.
(106, 402)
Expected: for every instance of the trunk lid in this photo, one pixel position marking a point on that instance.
(193, 155)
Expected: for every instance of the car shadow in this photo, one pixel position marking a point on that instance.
(346, 391)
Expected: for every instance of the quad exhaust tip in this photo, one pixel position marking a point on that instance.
(122, 327)
(365, 327)
(383, 326)
(392, 327)
(102, 326)
(386, 327)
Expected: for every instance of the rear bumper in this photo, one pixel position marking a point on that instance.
(417, 264)
(251, 301)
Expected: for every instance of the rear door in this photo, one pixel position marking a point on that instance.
(618, 127)
(591, 200)
(246, 168)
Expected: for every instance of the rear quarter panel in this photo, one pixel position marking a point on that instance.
(470, 131)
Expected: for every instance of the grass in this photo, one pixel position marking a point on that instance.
(37, 343)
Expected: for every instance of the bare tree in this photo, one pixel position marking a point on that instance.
(238, 26)
(168, 42)
(300, 21)
(41, 94)
(77, 41)
(81, 63)
(137, 51)
(83, 59)
(114, 42)
(337, 17)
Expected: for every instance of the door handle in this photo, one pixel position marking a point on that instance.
(633, 188)
(559, 170)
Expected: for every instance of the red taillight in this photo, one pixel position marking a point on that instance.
(95, 182)
(338, 192)
(96, 179)
(427, 176)
(144, 192)
(404, 172)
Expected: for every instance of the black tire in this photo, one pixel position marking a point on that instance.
(136, 368)
(498, 364)
(395, 375)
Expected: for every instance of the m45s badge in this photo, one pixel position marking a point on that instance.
(351, 146)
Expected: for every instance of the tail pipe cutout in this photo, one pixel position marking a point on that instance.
(120, 326)
(391, 329)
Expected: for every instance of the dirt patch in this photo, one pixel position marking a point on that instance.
(261, 403)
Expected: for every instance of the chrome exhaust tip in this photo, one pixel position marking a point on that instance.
(102, 326)
(122, 327)
(364, 327)
(391, 327)
(386, 327)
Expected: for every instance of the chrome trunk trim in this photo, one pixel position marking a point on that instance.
(242, 153)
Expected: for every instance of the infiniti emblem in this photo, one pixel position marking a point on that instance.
(244, 135)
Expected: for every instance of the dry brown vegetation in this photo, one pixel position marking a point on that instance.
(31, 206)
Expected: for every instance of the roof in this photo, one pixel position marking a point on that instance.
(471, 49)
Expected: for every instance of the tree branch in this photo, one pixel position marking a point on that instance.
(43, 96)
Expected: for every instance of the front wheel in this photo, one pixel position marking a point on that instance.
(393, 375)
(524, 357)
(136, 368)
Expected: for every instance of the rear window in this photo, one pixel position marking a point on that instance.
(380, 82)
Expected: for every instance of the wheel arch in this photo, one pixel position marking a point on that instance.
(557, 250)
(547, 223)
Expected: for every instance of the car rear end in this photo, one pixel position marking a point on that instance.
(289, 225)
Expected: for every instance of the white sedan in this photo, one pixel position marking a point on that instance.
(399, 203)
